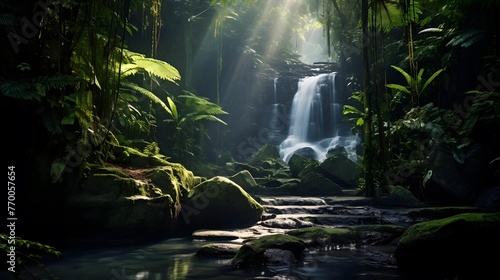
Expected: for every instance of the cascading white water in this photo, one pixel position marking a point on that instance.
(315, 121)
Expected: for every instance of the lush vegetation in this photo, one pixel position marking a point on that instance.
(80, 77)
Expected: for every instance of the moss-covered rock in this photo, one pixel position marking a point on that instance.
(131, 157)
(341, 170)
(399, 196)
(245, 180)
(463, 246)
(218, 250)
(317, 184)
(321, 235)
(352, 235)
(219, 203)
(252, 253)
(118, 201)
(123, 217)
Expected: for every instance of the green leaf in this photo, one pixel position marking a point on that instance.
(69, 119)
(398, 87)
(431, 79)
(148, 94)
(360, 122)
(173, 108)
(406, 75)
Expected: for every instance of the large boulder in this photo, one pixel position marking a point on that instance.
(269, 249)
(112, 205)
(143, 199)
(342, 171)
(464, 246)
(219, 203)
(317, 184)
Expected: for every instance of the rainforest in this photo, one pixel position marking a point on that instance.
(250, 139)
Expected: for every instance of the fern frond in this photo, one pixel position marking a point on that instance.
(148, 94)
(52, 121)
(137, 62)
(158, 68)
(8, 20)
(20, 90)
(203, 105)
(466, 39)
(55, 81)
(208, 118)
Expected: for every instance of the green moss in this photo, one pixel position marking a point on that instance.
(252, 252)
(134, 158)
(466, 222)
(111, 170)
(335, 235)
(269, 241)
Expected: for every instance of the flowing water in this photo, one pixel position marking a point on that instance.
(175, 258)
(316, 122)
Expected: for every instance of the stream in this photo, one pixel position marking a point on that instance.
(175, 258)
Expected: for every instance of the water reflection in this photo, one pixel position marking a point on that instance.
(175, 259)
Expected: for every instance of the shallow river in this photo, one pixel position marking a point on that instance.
(176, 259)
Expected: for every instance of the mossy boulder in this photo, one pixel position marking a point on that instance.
(321, 235)
(218, 250)
(253, 252)
(464, 246)
(128, 156)
(317, 184)
(342, 170)
(219, 203)
(117, 201)
(245, 180)
(399, 196)
(297, 164)
(352, 235)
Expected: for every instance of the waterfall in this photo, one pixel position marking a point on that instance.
(316, 126)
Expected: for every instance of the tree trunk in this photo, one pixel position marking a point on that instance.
(368, 147)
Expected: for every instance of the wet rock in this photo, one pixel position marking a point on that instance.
(218, 250)
(297, 164)
(252, 253)
(219, 203)
(286, 223)
(215, 235)
(463, 246)
(317, 184)
(279, 257)
(244, 179)
(399, 197)
(352, 235)
(341, 170)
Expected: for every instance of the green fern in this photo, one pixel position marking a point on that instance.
(8, 20)
(202, 105)
(139, 63)
(20, 90)
(148, 94)
(466, 38)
